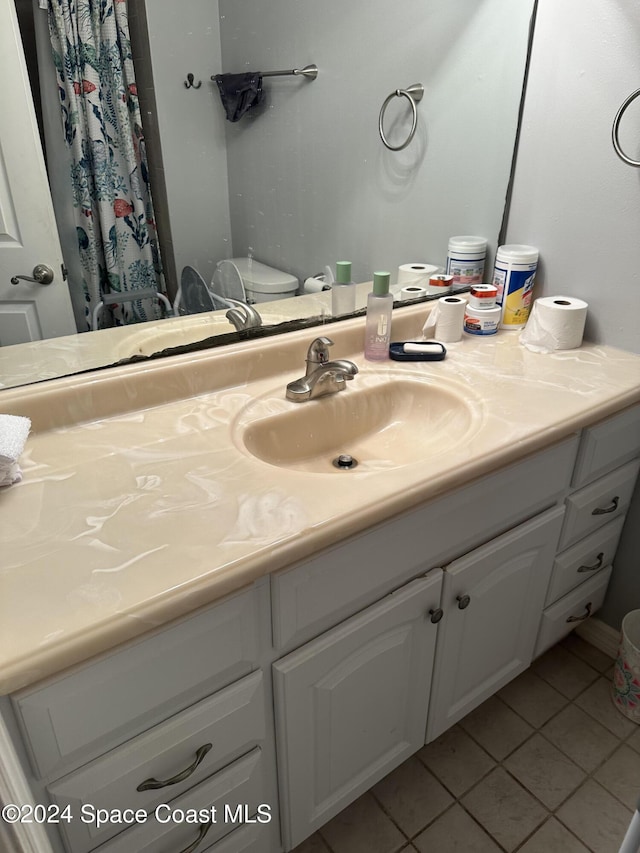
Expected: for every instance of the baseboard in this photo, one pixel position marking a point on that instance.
(600, 635)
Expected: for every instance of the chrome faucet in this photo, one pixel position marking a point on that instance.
(243, 316)
(322, 375)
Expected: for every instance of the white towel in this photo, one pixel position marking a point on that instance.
(13, 435)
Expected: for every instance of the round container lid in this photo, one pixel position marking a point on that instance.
(517, 253)
(484, 291)
(264, 279)
(468, 244)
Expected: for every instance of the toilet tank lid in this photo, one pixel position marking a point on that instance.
(263, 279)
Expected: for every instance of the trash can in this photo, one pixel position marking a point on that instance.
(626, 674)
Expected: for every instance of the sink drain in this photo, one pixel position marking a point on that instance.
(345, 461)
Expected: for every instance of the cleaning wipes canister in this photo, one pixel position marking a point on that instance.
(514, 276)
(465, 259)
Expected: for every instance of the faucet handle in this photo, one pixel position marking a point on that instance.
(318, 352)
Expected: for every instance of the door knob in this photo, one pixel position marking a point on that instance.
(42, 274)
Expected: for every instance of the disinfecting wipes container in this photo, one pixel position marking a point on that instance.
(465, 259)
(514, 275)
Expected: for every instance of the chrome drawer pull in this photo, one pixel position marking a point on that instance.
(581, 618)
(152, 784)
(598, 565)
(195, 844)
(613, 506)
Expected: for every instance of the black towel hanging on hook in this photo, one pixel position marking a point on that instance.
(239, 92)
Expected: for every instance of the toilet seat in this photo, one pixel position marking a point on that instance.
(227, 282)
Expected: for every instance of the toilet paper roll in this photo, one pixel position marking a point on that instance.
(416, 274)
(555, 323)
(413, 292)
(446, 320)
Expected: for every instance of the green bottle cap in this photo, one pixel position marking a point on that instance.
(381, 283)
(343, 272)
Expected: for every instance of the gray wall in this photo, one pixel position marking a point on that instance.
(573, 197)
(311, 181)
(578, 202)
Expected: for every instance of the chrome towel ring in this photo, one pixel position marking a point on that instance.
(414, 95)
(616, 127)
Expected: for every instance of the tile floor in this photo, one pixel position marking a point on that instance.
(548, 765)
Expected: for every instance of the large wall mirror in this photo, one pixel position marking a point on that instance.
(303, 179)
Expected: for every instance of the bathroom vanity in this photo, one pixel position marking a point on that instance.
(207, 628)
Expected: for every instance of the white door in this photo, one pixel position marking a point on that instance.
(492, 600)
(29, 311)
(351, 705)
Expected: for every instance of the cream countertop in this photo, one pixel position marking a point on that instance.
(137, 505)
(26, 363)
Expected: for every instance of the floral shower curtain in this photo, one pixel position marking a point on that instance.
(115, 222)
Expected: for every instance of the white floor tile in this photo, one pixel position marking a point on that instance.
(532, 698)
(598, 819)
(620, 775)
(563, 671)
(456, 760)
(580, 737)
(597, 702)
(506, 811)
(553, 837)
(455, 832)
(412, 796)
(545, 771)
(496, 728)
(362, 828)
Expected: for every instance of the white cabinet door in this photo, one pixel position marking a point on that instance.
(28, 231)
(492, 601)
(351, 705)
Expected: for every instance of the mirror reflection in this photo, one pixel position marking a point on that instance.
(259, 210)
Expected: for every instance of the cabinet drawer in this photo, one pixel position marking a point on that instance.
(167, 831)
(220, 729)
(584, 559)
(593, 506)
(563, 616)
(607, 445)
(319, 593)
(69, 720)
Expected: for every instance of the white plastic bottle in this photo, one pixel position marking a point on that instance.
(465, 259)
(377, 332)
(343, 291)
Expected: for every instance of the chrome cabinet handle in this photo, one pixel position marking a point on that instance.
(436, 615)
(594, 568)
(613, 506)
(463, 601)
(42, 274)
(195, 844)
(581, 618)
(152, 784)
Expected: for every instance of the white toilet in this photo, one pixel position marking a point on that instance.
(263, 283)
